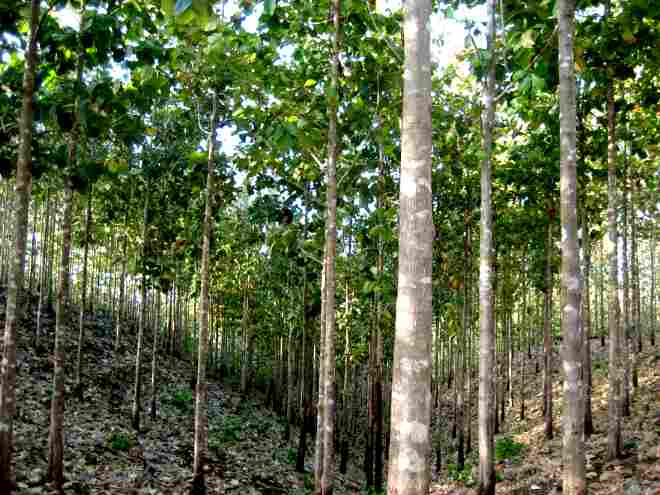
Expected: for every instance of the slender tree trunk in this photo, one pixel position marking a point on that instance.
(586, 325)
(625, 321)
(614, 368)
(137, 398)
(574, 482)
(33, 247)
(547, 335)
(654, 292)
(460, 372)
(122, 313)
(83, 290)
(56, 430)
(247, 342)
(347, 388)
(636, 310)
(601, 291)
(154, 357)
(43, 267)
(290, 385)
(486, 296)
(410, 449)
(325, 429)
(305, 409)
(17, 271)
(201, 396)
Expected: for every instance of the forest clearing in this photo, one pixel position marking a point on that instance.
(289, 247)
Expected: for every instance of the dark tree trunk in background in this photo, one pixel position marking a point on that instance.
(547, 333)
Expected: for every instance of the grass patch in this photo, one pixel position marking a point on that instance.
(119, 440)
(464, 475)
(507, 448)
(181, 399)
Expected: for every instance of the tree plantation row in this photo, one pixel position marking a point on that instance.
(325, 205)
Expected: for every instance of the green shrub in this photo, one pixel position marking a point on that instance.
(120, 441)
(181, 399)
(507, 448)
(631, 443)
(231, 428)
(285, 455)
(464, 475)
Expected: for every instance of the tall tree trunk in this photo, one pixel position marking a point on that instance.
(378, 334)
(43, 266)
(56, 430)
(154, 357)
(347, 388)
(654, 292)
(601, 291)
(17, 271)
(586, 325)
(33, 247)
(547, 332)
(246, 325)
(614, 368)
(290, 384)
(461, 365)
(574, 482)
(122, 313)
(410, 448)
(306, 382)
(201, 396)
(634, 267)
(325, 470)
(83, 290)
(624, 264)
(137, 398)
(486, 296)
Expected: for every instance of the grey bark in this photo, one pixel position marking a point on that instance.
(486, 295)
(574, 482)
(614, 368)
(17, 270)
(410, 435)
(137, 387)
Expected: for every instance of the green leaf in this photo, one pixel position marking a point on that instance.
(310, 83)
(168, 7)
(182, 6)
(527, 39)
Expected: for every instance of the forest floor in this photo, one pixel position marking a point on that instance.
(536, 469)
(103, 454)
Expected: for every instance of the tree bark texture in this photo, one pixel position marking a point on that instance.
(614, 373)
(410, 443)
(17, 270)
(137, 397)
(56, 430)
(201, 397)
(547, 333)
(83, 288)
(486, 295)
(574, 482)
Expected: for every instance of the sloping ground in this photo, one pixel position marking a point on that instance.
(246, 453)
(537, 469)
(103, 455)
